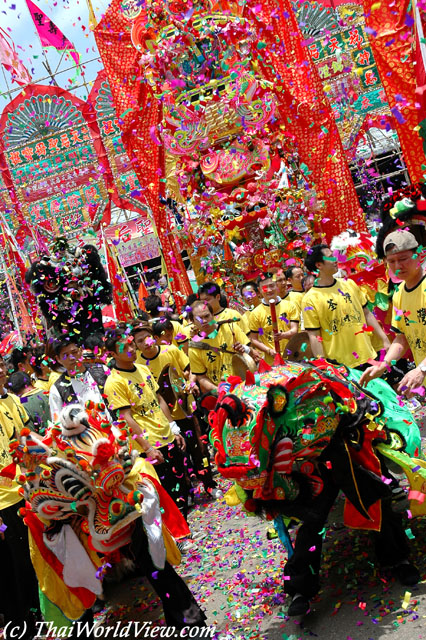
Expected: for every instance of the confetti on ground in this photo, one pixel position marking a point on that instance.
(236, 574)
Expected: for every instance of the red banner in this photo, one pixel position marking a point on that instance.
(121, 295)
(138, 114)
(390, 28)
(308, 117)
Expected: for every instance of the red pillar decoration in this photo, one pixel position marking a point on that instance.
(391, 38)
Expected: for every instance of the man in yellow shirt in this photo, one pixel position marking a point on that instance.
(210, 292)
(294, 277)
(40, 361)
(281, 282)
(251, 296)
(336, 315)
(18, 586)
(161, 314)
(409, 311)
(157, 358)
(132, 392)
(260, 321)
(211, 350)
(168, 331)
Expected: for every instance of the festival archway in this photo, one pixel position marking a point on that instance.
(53, 160)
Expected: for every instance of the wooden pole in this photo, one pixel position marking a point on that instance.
(273, 309)
(114, 313)
(12, 303)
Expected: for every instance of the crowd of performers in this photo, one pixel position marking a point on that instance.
(150, 375)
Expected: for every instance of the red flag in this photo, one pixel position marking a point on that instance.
(121, 296)
(49, 34)
(138, 114)
(26, 323)
(142, 294)
(14, 258)
(11, 60)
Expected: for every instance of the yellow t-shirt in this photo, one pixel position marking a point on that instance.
(179, 334)
(12, 418)
(42, 385)
(337, 310)
(137, 389)
(227, 314)
(216, 365)
(168, 355)
(245, 322)
(409, 317)
(296, 298)
(260, 322)
(45, 385)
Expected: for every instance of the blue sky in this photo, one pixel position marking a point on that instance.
(72, 17)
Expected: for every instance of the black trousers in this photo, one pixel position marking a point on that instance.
(18, 584)
(173, 476)
(303, 568)
(180, 607)
(198, 458)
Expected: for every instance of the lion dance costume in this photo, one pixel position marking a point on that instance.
(292, 436)
(91, 503)
(71, 287)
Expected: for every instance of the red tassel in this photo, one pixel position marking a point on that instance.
(264, 366)
(9, 471)
(233, 381)
(250, 380)
(278, 360)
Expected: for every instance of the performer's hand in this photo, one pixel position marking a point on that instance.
(155, 456)
(412, 380)
(239, 348)
(191, 387)
(280, 335)
(373, 372)
(257, 357)
(1, 532)
(180, 441)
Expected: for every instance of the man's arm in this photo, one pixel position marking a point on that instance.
(286, 335)
(395, 351)
(164, 407)
(205, 383)
(315, 341)
(174, 427)
(153, 454)
(255, 342)
(372, 321)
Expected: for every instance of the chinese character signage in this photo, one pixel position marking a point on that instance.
(52, 153)
(340, 47)
(347, 51)
(365, 103)
(135, 241)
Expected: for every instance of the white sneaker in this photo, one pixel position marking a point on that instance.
(184, 546)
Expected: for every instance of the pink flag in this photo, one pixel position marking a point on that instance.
(49, 34)
(11, 61)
